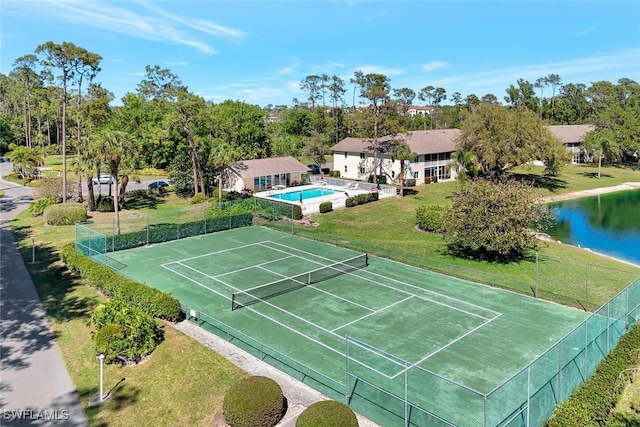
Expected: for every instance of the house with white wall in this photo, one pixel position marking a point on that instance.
(355, 157)
(263, 174)
(572, 136)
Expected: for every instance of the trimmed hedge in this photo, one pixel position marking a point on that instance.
(104, 204)
(327, 413)
(38, 206)
(361, 199)
(197, 198)
(326, 207)
(591, 403)
(254, 402)
(431, 218)
(114, 286)
(65, 214)
(271, 208)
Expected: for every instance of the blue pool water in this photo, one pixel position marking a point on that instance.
(309, 193)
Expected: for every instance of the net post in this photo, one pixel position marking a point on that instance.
(366, 259)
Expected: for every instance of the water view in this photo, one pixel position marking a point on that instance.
(609, 224)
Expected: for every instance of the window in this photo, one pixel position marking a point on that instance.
(415, 175)
(393, 174)
(345, 168)
(361, 170)
(362, 155)
(345, 154)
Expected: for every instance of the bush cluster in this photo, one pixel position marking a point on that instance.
(254, 402)
(151, 172)
(39, 205)
(124, 334)
(409, 182)
(431, 218)
(65, 214)
(361, 199)
(49, 187)
(334, 174)
(327, 413)
(326, 207)
(591, 403)
(382, 179)
(272, 208)
(198, 198)
(151, 301)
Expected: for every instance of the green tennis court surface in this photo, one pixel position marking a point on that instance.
(395, 341)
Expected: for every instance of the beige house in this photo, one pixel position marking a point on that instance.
(354, 157)
(572, 136)
(263, 174)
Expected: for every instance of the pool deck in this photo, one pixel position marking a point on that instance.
(312, 206)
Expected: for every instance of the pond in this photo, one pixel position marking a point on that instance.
(608, 224)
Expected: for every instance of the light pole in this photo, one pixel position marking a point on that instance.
(101, 357)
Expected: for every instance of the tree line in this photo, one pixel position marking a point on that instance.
(51, 102)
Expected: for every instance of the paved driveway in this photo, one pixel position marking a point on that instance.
(35, 387)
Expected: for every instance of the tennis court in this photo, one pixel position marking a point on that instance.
(397, 342)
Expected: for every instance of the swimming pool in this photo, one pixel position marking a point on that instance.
(309, 193)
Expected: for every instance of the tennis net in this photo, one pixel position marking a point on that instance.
(263, 292)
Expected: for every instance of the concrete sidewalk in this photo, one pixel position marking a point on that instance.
(35, 387)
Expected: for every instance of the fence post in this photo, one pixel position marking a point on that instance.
(560, 371)
(537, 274)
(147, 229)
(347, 379)
(528, 396)
(484, 410)
(586, 283)
(406, 395)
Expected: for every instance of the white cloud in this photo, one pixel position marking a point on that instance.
(160, 26)
(379, 69)
(435, 65)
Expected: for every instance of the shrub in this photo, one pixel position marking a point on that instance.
(198, 198)
(49, 187)
(431, 218)
(37, 207)
(361, 199)
(254, 402)
(65, 214)
(382, 179)
(410, 182)
(326, 207)
(151, 172)
(591, 403)
(124, 334)
(334, 174)
(104, 204)
(152, 301)
(327, 413)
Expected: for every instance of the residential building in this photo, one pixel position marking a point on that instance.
(263, 174)
(354, 158)
(572, 136)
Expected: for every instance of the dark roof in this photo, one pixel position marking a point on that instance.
(420, 142)
(270, 166)
(571, 133)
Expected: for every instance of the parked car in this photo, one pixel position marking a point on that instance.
(314, 168)
(103, 179)
(158, 184)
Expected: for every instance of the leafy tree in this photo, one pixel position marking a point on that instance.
(402, 152)
(316, 149)
(571, 106)
(491, 220)
(70, 60)
(404, 98)
(456, 98)
(502, 139)
(522, 96)
(25, 73)
(602, 143)
(312, 86)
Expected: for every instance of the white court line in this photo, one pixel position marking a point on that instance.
(256, 265)
(212, 253)
(433, 353)
(267, 303)
(372, 313)
(401, 282)
(255, 311)
(320, 290)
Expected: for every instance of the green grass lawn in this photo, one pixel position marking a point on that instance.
(183, 382)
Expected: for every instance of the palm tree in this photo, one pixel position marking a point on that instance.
(402, 152)
(24, 159)
(115, 149)
(601, 142)
(221, 156)
(465, 164)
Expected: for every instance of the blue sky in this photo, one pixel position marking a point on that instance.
(259, 51)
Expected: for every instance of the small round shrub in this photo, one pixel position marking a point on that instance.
(431, 218)
(39, 205)
(254, 402)
(105, 204)
(326, 207)
(327, 413)
(198, 198)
